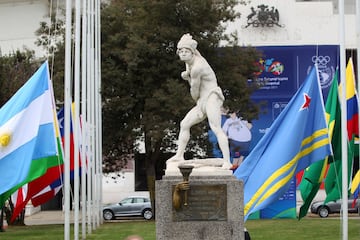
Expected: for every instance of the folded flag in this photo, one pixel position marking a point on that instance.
(52, 188)
(355, 187)
(333, 181)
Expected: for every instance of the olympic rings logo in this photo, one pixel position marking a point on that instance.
(320, 60)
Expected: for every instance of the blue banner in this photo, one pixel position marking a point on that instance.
(282, 70)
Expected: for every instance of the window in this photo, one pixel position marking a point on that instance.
(139, 200)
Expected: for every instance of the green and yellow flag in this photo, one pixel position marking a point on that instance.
(333, 181)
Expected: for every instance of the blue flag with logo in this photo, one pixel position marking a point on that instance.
(297, 138)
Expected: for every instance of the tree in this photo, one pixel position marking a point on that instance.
(15, 69)
(52, 39)
(144, 95)
(144, 98)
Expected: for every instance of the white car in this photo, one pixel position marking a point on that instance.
(130, 206)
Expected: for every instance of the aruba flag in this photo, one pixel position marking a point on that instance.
(314, 175)
(297, 138)
(27, 134)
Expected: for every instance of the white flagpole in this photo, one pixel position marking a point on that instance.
(344, 156)
(88, 123)
(91, 116)
(99, 111)
(67, 105)
(97, 220)
(84, 199)
(96, 110)
(75, 118)
(357, 20)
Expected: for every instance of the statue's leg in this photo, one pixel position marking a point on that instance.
(213, 111)
(192, 117)
(224, 146)
(184, 136)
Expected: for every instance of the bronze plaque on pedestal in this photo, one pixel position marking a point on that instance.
(205, 203)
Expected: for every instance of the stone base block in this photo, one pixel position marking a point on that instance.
(214, 209)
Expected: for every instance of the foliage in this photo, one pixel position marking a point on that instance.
(52, 38)
(143, 95)
(238, 83)
(145, 98)
(15, 69)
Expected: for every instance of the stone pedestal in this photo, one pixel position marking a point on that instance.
(214, 211)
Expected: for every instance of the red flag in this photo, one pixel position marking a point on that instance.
(18, 198)
(33, 188)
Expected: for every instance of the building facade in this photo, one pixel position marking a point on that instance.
(262, 23)
(19, 19)
(294, 22)
(298, 22)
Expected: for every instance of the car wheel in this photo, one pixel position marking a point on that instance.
(108, 215)
(323, 212)
(147, 214)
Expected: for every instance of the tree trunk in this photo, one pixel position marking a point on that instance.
(150, 177)
(152, 155)
(2, 220)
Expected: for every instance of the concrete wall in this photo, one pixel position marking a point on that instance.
(117, 187)
(19, 19)
(309, 22)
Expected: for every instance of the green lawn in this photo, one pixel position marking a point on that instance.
(281, 229)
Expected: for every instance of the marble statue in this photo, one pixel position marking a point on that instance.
(208, 96)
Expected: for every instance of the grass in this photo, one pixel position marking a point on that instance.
(280, 229)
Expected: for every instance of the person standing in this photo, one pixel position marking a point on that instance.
(239, 135)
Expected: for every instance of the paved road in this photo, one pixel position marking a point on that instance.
(48, 217)
(57, 217)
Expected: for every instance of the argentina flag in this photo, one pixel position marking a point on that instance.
(27, 134)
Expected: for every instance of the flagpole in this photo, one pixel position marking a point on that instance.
(93, 183)
(88, 123)
(96, 98)
(99, 115)
(357, 20)
(84, 198)
(91, 116)
(91, 101)
(344, 156)
(75, 118)
(93, 125)
(67, 105)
